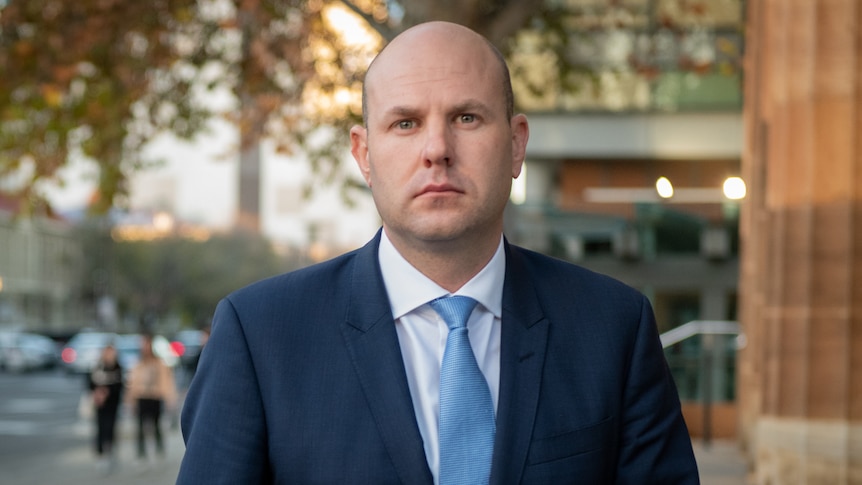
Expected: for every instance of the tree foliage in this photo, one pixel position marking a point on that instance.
(101, 78)
(95, 77)
(188, 277)
(174, 275)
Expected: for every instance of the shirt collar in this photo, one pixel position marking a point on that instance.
(408, 288)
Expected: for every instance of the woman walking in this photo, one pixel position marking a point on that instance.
(151, 389)
(106, 387)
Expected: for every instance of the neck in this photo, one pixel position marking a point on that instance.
(450, 264)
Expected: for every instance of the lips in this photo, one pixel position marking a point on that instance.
(438, 188)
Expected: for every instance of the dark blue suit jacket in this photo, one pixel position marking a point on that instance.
(302, 381)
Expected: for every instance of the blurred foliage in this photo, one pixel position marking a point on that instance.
(188, 277)
(101, 78)
(96, 77)
(175, 275)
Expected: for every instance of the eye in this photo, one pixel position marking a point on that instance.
(405, 124)
(467, 118)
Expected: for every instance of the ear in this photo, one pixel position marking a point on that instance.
(520, 135)
(359, 149)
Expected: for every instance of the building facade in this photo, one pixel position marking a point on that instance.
(801, 274)
(40, 265)
(658, 95)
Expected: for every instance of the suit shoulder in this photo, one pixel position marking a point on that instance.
(309, 279)
(563, 274)
(553, 268)
(581, 304)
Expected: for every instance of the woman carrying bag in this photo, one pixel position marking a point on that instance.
(151, 389)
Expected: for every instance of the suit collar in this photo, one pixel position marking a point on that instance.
(370, 337)
(523, 344)
(369, 305)
(408, 288)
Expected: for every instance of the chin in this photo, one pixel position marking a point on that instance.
(431, 232)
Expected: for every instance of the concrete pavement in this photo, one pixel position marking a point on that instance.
(77, 465)
(720, 463)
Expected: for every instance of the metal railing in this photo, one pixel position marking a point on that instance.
(701, 355)
(699, 327)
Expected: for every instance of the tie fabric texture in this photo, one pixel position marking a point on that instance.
(467, 423)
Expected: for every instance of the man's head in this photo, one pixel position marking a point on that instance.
(440, 145)
(505, 83)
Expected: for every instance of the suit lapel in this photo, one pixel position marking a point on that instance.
(524, 339)
(370, 337)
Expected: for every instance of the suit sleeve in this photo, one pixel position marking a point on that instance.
(655, 444)
(223, 420)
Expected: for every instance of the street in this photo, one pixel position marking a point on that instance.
(42, 439)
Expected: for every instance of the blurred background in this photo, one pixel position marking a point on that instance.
(155, 156)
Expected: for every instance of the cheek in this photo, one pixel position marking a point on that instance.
(498, 163)
(383, 179)
(390, 163)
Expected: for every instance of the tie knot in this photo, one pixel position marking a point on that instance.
(455, 310)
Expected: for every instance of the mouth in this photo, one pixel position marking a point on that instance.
(439, 189)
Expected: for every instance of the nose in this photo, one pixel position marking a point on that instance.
(438, 145)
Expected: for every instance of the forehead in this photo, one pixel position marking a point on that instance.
(434, 67)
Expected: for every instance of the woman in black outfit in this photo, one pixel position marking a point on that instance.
(106, 385)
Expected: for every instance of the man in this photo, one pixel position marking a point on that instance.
(332, 374)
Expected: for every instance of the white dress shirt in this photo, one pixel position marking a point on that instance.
(422, 333)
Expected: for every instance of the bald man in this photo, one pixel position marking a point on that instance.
(332, 374)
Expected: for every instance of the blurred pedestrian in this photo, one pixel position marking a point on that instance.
(106, 388)
(151, 389)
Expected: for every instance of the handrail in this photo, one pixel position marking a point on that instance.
(699, 327)
(707, 328)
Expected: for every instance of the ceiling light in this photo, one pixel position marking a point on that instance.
(664, 188)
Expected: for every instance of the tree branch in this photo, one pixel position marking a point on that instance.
(508, 18)
(385, 30)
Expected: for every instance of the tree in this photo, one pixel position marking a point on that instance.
(175, 275)
(101, 78)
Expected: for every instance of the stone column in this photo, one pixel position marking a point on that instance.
(800, 376)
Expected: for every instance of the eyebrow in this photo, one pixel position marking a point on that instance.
(401, 111)
(469, 105)
(472, 105)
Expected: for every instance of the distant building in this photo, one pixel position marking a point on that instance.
(40, 264)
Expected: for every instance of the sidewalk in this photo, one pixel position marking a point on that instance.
(77, 465)
(720, 463)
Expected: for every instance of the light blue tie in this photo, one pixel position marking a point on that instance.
(466, 411)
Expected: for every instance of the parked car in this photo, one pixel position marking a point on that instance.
(82, 352)
(25, 351)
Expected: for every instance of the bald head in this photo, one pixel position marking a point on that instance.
(440, 147)
(418, 47)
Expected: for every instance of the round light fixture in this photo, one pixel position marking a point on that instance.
(664, 188)
(734, 188)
